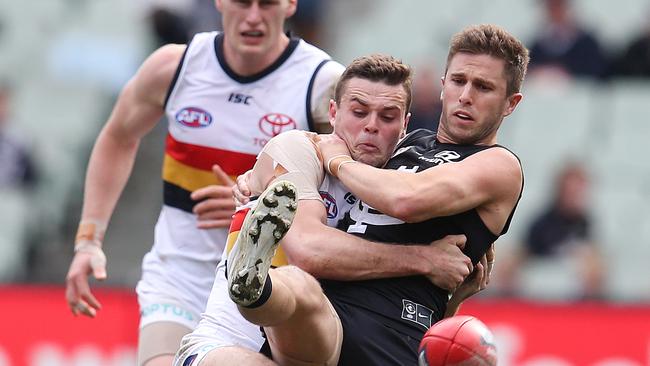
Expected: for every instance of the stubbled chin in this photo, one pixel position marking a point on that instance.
(369, 158)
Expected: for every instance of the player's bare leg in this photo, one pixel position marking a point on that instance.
(300, 323)
(165, 360)
(235, 356)
(301, 326)
(158, 342)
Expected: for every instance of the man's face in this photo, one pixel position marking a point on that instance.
(474, 100)
(370, 119)
(254, 27)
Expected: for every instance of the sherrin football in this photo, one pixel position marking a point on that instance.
(460, 340)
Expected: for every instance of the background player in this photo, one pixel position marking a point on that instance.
(476, 196)
(216, 94)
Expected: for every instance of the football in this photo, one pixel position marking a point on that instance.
(460, 340)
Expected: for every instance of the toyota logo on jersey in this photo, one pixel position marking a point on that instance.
(193, 117)
(274, 124)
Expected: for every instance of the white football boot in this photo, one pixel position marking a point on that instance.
(265, 224)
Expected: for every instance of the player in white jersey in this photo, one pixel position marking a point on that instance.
(322, 200)
(224, 95)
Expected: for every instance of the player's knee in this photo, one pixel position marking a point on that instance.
(159, 361)
(306, 288)
(233, 355)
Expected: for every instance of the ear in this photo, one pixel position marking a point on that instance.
(406, 124)
(513, 101)
(219, 5)
(291, 9)
(442, 82)
(332, 112)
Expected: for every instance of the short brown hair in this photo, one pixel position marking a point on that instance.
(488, 39)
(377, 67)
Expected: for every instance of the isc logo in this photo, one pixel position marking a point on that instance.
(239, 98)
(193, 117)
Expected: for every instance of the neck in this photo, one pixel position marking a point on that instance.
(246, 65)
(445, 138)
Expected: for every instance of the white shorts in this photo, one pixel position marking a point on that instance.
(163, 297)
(221, 325)
(178, 272)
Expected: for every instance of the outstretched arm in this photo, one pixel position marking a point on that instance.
(138, 109)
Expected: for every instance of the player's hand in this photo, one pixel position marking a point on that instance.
(241, 191)
(490, 257)
(477, 281)
(217, 203)
(90, 259)
(331, 146)
(447, 265)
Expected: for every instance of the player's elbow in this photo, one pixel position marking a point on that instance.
(306, 260)
(401, 209)
(407, 206)
(410, 212)
(298, 249)
(419, 204)
(297, 257)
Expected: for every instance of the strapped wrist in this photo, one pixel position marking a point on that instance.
(87, 246)
(332, 159)
(90, 233)
(340, 165)
(334, 164)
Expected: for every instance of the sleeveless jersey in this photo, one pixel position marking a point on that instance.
(218, 117)
(411, 304)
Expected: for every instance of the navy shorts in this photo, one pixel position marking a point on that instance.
(368, 341)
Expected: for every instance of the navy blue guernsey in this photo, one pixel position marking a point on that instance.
(411, 304)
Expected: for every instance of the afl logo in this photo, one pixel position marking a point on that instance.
(330, 204)
(193, 117)
(274, 124)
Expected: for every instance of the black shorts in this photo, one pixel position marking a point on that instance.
(367, 341)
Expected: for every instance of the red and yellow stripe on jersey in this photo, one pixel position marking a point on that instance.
(280, 259)
(188, 167)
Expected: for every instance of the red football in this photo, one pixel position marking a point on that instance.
(460, 340)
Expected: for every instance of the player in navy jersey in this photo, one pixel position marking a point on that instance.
(313, 243)
(224, 95)
(458, 181)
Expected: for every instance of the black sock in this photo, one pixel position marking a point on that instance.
(264, 297)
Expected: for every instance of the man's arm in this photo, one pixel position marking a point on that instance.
(491, 179)
(137, 110)
(326, 252)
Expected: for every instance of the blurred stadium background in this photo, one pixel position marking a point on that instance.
(66, 61)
